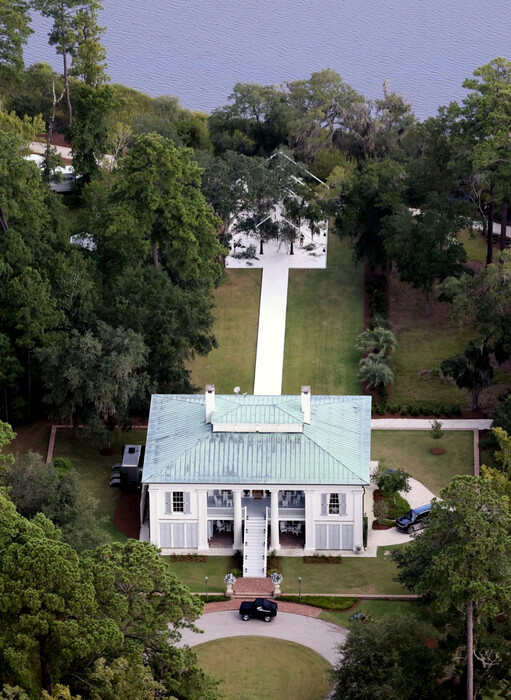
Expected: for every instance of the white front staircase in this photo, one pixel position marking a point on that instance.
(254, 545)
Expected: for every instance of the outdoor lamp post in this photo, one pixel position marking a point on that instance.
(206, 579)
(299, 589)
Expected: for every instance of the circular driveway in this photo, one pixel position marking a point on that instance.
(319, 635)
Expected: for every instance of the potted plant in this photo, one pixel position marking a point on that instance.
(276, 579)
(229, 581)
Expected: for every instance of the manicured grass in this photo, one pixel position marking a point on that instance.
(354, 576)
(192, 573)
(252, 668)
(325, 313)
(377, 609)
(236, 313)
(95, 470)
(423, 342)
(475, 245)
(409, 450)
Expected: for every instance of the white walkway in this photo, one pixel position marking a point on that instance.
(319, 635)
(272, 331)
(276, 261)
(425, 424)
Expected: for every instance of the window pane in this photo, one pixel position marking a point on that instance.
(178, 503)
(333, 506)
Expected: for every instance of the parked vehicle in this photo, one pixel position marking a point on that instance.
(414, 520)
(260, 607)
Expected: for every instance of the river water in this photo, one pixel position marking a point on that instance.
(198, 49)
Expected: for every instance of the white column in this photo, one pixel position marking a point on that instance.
(154, 530)
(275, 544)
(238, 537)
(202, 519)
(310, 530)
(358, 517)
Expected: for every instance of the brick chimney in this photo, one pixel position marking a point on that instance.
(210, 401)
(306, 404)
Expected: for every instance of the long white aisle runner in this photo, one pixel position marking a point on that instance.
(272, 330)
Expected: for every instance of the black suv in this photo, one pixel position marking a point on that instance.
(260, 607)
(414, 520)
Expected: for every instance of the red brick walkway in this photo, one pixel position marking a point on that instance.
(306, 610)
(255, 587)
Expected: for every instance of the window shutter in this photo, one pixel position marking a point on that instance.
(191, 535)
(168, 502)
(324, 505)
(165, 529)
(334, 538)
(179, 534)
(342, 504)
(347, 536)
(186, 502)
(320, 536)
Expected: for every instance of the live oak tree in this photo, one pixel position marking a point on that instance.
(462, 560)
(389, 659)
(373, 194)
(36, 487)
(424, 246)
(92, 377)
(157, 196)
(481, 303)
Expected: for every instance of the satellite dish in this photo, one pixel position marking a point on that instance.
(237, 389)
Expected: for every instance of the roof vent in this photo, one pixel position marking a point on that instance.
(306, 404)
(210, 401)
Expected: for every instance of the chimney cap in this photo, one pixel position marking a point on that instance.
(210, 388)
(306, 389)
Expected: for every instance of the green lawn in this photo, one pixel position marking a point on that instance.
(236, 322)
(192, 573)
(95, 470)
(423, 342)
(377, 609)
(325, 313)
(409, 450)
(354, 576)
(475, 245)
(251, 668)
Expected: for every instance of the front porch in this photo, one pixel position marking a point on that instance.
(255, 503)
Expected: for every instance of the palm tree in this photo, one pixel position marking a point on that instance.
(375, 369)
(378, 340)
(472, 370)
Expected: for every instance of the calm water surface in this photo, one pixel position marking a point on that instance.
(198, 49)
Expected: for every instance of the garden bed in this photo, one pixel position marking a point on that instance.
(324, 602)
(322, 559)
(197, 558)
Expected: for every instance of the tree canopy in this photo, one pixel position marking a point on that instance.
(101, 624)
(462, 560)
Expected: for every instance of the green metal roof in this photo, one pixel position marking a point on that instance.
(334, 449)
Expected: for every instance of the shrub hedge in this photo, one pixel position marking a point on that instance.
(324, 602)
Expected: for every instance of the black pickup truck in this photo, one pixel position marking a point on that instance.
(260, 607)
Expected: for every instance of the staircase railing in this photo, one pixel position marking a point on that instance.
(265, 556)
(244, 519)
